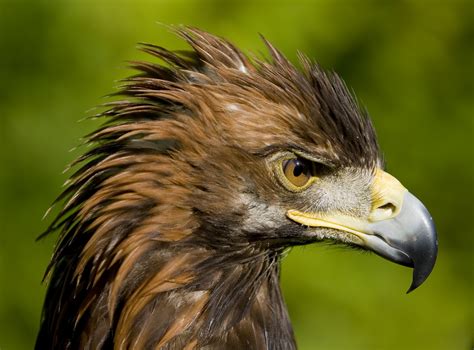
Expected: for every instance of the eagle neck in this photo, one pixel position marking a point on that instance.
(243, 307)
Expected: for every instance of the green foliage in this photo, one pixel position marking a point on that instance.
(410, 62)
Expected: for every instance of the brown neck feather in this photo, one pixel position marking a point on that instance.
(177, 296)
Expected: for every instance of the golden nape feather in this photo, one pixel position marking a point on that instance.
(173, 225)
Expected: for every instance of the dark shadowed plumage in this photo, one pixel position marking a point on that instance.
(174, 223)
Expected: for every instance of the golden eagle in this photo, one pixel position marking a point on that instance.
(212, 165)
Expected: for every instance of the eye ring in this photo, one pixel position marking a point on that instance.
(296, 173)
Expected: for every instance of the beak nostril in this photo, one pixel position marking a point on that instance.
(383, 212)
(388, 207)
(387, 196)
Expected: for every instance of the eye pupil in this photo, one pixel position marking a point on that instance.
(297, 171)
(299, 168)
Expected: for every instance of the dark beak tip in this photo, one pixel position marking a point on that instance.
(413, 286)
(421, 272)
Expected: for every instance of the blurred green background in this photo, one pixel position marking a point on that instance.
(410, 63)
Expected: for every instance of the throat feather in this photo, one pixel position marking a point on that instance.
(207, 300)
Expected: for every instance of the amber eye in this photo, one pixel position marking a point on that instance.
(298, 171)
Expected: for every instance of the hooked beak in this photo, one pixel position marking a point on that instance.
(399, 227)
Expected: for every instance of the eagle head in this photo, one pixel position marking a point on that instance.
(209, 168)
